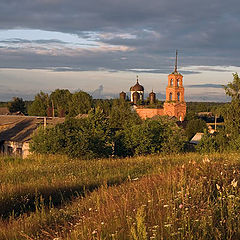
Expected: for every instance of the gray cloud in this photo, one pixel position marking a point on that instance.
(200, 24)
(205, 86)
(205, 32)
(40, 41)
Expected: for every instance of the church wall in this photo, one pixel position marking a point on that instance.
(175, 109)
(145, 113)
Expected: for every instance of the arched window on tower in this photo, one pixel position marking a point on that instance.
(170, 97)
(178, 82)
(171, 82)
(178, 96)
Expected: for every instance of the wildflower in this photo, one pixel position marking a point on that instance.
(102, 223)
(217, 186)
(234, 183)
(90, 209)
(168, 225)
(181, 206)
(135, 179)
(206, 160)
(94, 232)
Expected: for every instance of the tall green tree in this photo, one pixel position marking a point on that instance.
(40, 105)
(122, 114)
(60, 99)
(17, 104)
(231, 112)
(81, 103)
(232, 89)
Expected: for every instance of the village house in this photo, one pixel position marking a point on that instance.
(16, 132)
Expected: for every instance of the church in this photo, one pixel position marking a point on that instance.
(174, 105)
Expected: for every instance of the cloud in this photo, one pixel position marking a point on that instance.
(98, 93)
(148, 34)
(40, 41)
(132, 36)
(205, 86)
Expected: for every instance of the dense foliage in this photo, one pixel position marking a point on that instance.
(17, 105)
(153, 136)
(60, 103)
(39, 105)
(194, 126)
(227, 138)
(87, 137)
(122, 134)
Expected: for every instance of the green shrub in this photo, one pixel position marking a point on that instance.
(194, 126)
(153, 136)
(89, 137)
(207, 144)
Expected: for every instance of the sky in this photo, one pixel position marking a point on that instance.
(100, 46)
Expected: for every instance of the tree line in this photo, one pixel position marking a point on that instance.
(112, 127)
(121, 133)
(59, 103)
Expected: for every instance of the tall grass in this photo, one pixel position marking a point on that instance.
(160, 197)
(58, 178)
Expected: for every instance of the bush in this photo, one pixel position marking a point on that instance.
(194, 126)
(88, 138)
(152, 136)
(207, 144)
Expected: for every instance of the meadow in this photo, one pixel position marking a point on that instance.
(185, 196)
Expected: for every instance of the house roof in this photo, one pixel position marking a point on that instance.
(20, 128)
(196, 138)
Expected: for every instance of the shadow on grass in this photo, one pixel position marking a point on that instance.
(29, 200)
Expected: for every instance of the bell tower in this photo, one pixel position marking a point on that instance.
(175, 104)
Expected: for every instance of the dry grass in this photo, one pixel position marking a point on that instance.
(178, 197)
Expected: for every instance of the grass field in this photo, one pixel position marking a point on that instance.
(187, 196)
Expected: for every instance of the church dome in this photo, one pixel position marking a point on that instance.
(137, 87)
